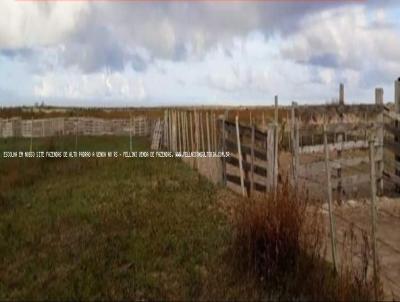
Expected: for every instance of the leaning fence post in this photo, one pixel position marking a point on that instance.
(239, 148)
(373, 213)
(329, 190)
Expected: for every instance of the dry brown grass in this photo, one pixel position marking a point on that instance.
(281, 242)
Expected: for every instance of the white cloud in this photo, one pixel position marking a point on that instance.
(347, 38)
(31, 24)
(74, 85)
(179, 53)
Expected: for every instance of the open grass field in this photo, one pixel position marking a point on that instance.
(110, 228)
(149, 229)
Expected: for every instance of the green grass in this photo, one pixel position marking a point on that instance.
(110, 228)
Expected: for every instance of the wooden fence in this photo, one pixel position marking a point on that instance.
(190, 131)
(340, 146)
(246, 153)
(16, 127)
(392, 145)
(251, 155)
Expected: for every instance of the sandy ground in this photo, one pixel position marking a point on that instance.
(356, 216)
(354, 212)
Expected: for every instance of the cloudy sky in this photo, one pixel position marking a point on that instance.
(149, 53)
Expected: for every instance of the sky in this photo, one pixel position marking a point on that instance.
(167, 53)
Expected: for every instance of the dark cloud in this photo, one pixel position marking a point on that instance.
(13, 53)
(324, 60)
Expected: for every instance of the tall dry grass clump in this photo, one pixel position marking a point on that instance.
(282, 242)
(271, 234)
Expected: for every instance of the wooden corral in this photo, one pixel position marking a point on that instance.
(17, 127)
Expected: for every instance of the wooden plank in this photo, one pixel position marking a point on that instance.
(231, 147)
(352, 180)
(338, 127)
(246, 130)
(259, 170)
(352, 162)
(392, 145)
(391, 114)
(393, 177)
(240, 157)
(361, 144)
(236, 180)
(392, 129)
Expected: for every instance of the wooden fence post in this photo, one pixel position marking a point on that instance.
(329, 188)
(380, 134)
(294, 132)
(373, 213)
(202, 131)
(183, 126)
(196, 129)
(180, 136)
(263, 119)
(239, 148)
(341, 142)
(276, 151)
(174, 131)
(76, 134)
(397, 125)
(130, 133)
(223, 147)
(253, 130)
(187, 130)
(191, 131)
(215, 133)
(208, 132)
(171, 135)
(270, 158)
(30, 148)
